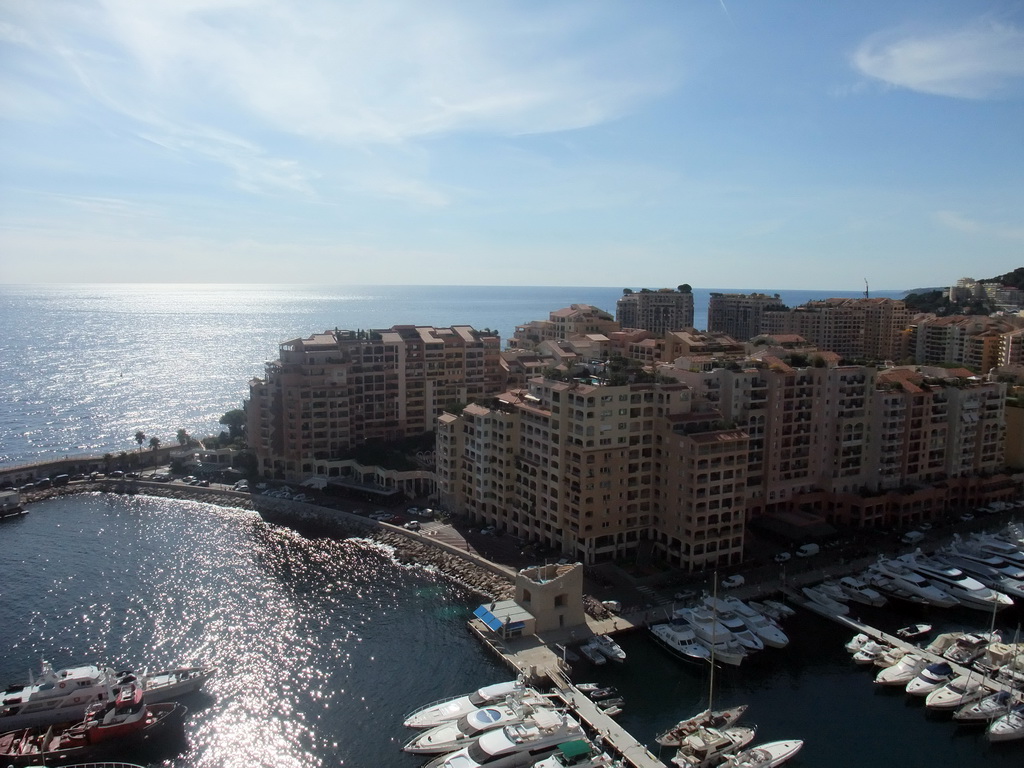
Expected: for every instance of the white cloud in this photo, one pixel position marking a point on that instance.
(984, 60)
(961, 223)
(384, 72)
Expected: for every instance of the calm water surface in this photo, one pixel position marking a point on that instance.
(324, 645)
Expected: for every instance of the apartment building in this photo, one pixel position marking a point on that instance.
(857, 329)
(822, 437)
(599, 472)
(659, 311)
(978, 342)
(332, 391)
(565, 323)
(739, 314)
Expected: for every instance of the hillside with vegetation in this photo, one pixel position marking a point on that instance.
(932, 300)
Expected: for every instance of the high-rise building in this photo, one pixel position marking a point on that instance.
(334, 390)
(659, 311)
(857, 329)
(599, 472)
(739, 314)
(609, 471)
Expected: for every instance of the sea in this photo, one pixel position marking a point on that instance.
(324, 644)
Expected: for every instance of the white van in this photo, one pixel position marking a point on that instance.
(807, 550)
(912, 537)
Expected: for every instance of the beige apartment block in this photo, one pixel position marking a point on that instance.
(819, 434)
(978, 342)
(565, 323)
(659, 312)
(591, 469)
(739, 314)
(857, 329)
(335, 390)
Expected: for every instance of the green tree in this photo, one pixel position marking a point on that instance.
(140, 436)
(183, 437)
(685, 288)
(154, 442)
(235, 422)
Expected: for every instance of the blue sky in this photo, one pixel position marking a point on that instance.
(639, 144)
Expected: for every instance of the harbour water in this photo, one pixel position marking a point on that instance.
(323, 645)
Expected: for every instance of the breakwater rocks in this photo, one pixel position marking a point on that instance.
(475, 574)
(467, 573)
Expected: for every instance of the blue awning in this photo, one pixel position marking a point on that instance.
(488, 618)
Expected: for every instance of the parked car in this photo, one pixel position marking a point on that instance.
(412, 525)
(733, 581)
(783, 557)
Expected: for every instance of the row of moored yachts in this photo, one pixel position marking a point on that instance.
(725, 630)
(968, 695)
(510, 725)
(984, 572)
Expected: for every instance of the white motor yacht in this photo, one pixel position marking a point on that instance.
(451, 709)
(722, 718)
(707, 746)
(609, 648)
(870, 652)
(961, 690)
(985, 710)
(824, 602)
(771, 634)
(455, 734)
(860, 592)
(931, 677)
(55, 696)
(969, 646)
(995, 545)
(713, 635)
(969, 591)
(1008, 727)
(514, 746)
(764, 756)
(990, 570)
(735, 624)
(679, 638)
(903, 671)
(919, 588)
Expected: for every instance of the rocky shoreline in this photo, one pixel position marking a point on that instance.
(408, 550)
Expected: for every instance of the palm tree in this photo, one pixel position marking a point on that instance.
(154, 442)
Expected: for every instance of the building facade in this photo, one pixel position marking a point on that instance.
(659, 311)
(739, 314)
(857, 329)
(330, 392)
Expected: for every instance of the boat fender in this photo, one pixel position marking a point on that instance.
(77, 699)
(62, 685)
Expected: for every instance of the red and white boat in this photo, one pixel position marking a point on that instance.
(108, 727)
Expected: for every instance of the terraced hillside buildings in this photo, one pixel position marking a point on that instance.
(603, 471)
(330, 392)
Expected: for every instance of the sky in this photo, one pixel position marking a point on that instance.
(721, 143)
